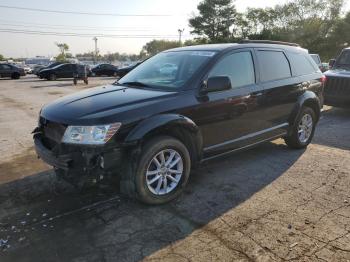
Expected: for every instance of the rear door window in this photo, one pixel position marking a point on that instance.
(273, 65)
(301, 65)
(238, 67)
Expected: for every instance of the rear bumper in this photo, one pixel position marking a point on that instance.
(337, 101)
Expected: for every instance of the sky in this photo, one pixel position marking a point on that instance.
(164, 18)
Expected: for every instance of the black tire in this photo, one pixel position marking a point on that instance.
(52, 77)
(15, 76)
(133, 182)
(293, 140)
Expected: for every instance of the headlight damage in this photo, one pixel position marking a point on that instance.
(90, 135)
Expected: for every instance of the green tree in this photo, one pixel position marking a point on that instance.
(215, 20)
(1, 57)
(63, 47)
(155, 46)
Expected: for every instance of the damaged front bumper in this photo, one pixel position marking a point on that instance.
(79, 164)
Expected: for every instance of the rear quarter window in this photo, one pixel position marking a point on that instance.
(302, 65)
(273, 65)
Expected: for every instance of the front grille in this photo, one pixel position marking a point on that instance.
(337, 86)
(52, 132)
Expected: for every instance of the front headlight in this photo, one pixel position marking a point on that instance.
(90, 135)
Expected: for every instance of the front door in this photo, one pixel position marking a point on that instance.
(228, 119)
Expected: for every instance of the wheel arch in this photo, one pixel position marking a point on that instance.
(174, 125)
(309, 99)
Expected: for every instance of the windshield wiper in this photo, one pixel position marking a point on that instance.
(133, 83)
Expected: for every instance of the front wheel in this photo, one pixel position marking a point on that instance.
(161, 173)
(15, 76)
(303, 130)
(52, 77)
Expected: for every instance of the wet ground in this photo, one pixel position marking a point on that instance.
(266, 204)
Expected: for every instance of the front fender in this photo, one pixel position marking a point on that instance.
(310, 99)
(158, 121)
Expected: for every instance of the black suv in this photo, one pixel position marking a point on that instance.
(104, 70)
(337, 89)
(8, 70)
(63, 71)
(125, 70)
(155, 124)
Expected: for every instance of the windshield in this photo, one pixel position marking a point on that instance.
(344, 59)
(169, 70)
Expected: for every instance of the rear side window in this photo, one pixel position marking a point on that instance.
(301, 65)
(273, 65)
(238, 67)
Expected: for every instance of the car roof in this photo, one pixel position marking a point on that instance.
(221, 47)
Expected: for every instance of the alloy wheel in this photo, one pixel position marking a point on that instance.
(164, 172)
(305, 128)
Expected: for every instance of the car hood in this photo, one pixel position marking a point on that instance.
(338, 72)
(104, 105)
(43, 70)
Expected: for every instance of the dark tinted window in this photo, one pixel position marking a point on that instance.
(344, 58)
(6, 67)
(301, 65)
(273, 65)
(238, 67)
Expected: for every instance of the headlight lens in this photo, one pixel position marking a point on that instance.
(90, 135)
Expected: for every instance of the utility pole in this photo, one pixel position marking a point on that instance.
(96, 50)
(180, 34)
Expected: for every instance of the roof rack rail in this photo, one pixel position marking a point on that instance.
(268, 42)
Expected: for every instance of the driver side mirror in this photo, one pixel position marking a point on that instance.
(331, 63)
(216, 83)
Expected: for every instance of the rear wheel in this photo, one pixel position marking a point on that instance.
(161, 173)
(303, 130)
(15, 76)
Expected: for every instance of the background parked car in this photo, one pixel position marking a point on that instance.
(62, 71)
(318, 62)
(48, 67)
(8, 70)
(123, 71)
(104, 70)
(337, 89)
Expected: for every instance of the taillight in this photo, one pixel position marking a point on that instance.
(323, 79)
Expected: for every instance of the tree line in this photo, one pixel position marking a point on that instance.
(317, 25)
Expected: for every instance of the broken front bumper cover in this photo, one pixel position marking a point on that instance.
(76, 163)
(61, 161)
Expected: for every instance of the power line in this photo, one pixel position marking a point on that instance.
(79, 13)
(50, 33)
(75, 26)
(83, 29)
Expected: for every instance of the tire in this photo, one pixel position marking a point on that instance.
(136, 184)
(302, 132)
(15, 76)
(52, 77)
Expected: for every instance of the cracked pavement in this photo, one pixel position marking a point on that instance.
(266, 204)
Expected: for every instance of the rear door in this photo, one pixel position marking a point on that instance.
(280, 89)
(66, 71)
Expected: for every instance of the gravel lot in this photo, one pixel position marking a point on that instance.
(267, 204)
